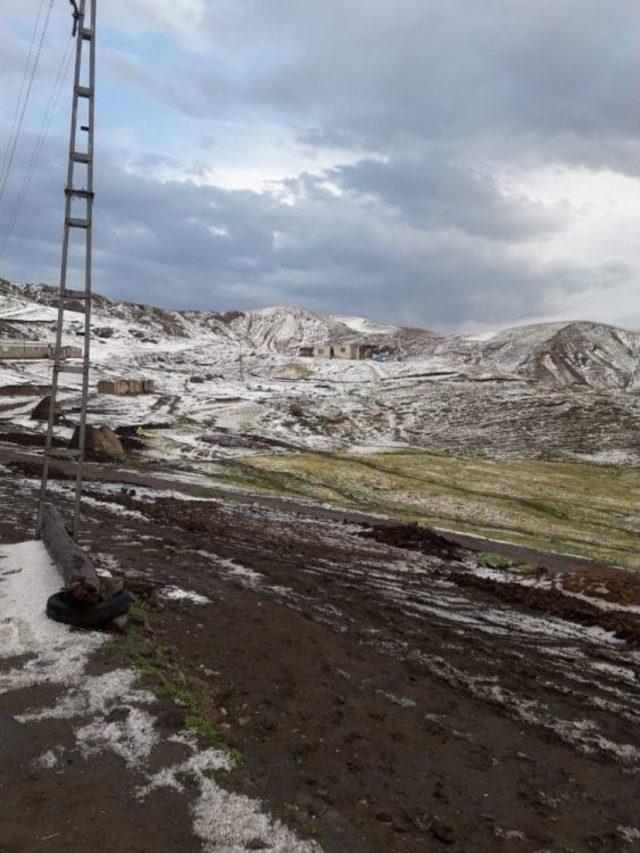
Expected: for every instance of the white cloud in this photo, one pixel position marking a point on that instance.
(182, 19)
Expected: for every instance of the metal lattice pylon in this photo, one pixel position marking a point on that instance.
(80, 161)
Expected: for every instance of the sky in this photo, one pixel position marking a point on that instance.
(451, 164)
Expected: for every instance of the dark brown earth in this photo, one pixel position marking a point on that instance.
(24, 390)
(387, 698)
(617, 587)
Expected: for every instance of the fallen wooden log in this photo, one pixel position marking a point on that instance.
(81, 583)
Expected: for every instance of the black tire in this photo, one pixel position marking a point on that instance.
(60, 610)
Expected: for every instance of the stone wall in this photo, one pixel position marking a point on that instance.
(125, 387)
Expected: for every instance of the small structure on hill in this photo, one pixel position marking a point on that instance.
(125, 387)
(346, 350)
(35, 349)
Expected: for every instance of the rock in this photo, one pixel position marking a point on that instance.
(103, 331)
(41, 411)
(118, 714)
(100, 443)
(443, 831)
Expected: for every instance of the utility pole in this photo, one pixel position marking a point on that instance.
(80, 165)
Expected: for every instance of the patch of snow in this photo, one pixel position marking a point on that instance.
(48, 760)
(95, 694)
(59, 654)
(365, 326)
(132, 738)
(224, 820)
(401, 701)
(630, 834)
(174, 593)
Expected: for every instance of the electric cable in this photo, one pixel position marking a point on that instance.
(47, 119)
(32, 75)
(25, 71)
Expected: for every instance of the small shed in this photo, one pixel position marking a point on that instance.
(348, 350)
(345, 350)
(25, 349)
(125, 387)
(323, 351)
(36, 349)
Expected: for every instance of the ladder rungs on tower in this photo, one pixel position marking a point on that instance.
(70, 306)
(63, 453)
(81, 128)
(63, 367)
(78, 193)
(74, 294)
(74, 222)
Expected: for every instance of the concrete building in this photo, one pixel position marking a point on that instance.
(35, 349)
(125, 387)
(345, 350)
(323, 351)
(348, 350)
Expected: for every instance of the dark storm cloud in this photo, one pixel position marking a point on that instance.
(474, 74)
(184, 245)
(432, 192)
(417, 230)
(504, 78)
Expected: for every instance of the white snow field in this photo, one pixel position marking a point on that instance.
(554, 390)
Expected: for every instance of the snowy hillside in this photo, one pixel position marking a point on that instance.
(556, 354)
(234, 382)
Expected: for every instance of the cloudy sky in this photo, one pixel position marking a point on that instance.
(447, 163)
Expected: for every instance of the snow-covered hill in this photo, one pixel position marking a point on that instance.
(585, 354)
(234, 382)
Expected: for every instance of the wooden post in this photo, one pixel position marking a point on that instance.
(81, 583)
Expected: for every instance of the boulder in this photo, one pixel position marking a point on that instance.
(100, 443)
(41, 411)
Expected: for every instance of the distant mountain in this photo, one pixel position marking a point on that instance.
(594, 355)
(561, 354)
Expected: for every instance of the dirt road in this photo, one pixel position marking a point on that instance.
(381, 703)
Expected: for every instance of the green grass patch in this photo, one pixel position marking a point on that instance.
(157, 665)
(582, 509)
(499, 561)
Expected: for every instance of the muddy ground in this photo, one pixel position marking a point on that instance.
(385, 692)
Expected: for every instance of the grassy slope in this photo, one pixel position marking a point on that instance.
(583, 509)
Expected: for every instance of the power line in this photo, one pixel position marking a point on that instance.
(25, 71)
(48, 117)
(34, 68)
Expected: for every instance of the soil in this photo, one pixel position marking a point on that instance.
(386, 697)
(415, 537)
(25, 390)
(625, 626)
(613, 586)
(31, 439)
